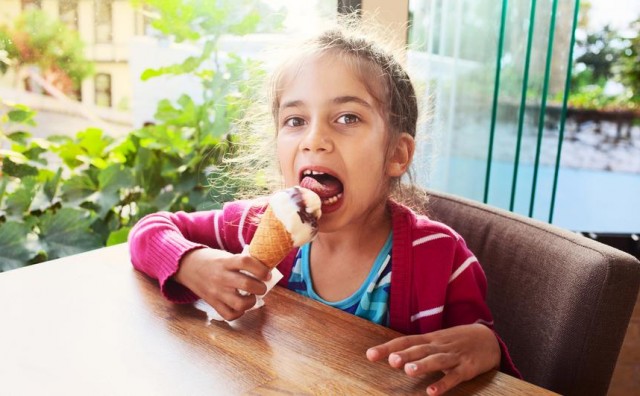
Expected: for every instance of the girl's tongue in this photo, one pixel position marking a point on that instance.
(326, 186)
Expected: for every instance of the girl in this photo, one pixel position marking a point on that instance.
(345, 113)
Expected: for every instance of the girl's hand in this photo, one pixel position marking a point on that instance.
(461, 352)
(214, 276)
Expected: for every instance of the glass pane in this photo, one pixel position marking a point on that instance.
(68, 13)
(455, 50)
(103, 82)
(104, 25)
(103, 99)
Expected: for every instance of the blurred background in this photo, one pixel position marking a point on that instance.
(535, 108)
(530, 106)
(112, 109)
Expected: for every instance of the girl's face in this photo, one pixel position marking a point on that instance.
(332, 139)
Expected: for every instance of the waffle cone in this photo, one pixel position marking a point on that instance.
(271, 242)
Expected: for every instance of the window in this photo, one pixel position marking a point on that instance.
(104, 22)
(103, 89)
(68, 12)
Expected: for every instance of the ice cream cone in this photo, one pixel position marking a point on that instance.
(271, 242)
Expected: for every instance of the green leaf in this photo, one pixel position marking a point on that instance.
(124, 151)
(88, 148)
(119, 236)
(67, 232)
(111, 180)
(247, 25)
(147, 171)
(45, 196)
(18, 201)
(189, 65)
(169, 140)
(19, 137)
(18, 170)
(3, 187)
(165, 111)
(77, 188)
(22, 114)
(69, 152)
(93, 142)
(40, 201)
(165, 200)
(184, 115)
(34, 153)
(114, 178)
(103, 201)
(52, 184)
(14, 251)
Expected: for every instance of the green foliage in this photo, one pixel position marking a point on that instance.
(67, 194)
(38, 39)
(191, 20)
(606, 56)
(206, 22)
(593, 97)
(15, 249)
(600, 51)
(630, 64)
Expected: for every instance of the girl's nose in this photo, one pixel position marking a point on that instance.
(317, 139)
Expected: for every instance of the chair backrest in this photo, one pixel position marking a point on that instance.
(561, 301)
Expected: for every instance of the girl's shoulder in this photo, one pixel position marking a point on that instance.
(422, 225)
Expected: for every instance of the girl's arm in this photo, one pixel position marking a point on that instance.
(466, 346)
(159, 241)
(466, 301)
(186, 253)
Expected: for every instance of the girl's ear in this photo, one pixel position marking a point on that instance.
(401, 156)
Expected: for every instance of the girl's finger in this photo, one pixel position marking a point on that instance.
(430, 364)
(444, 384)
(397, 344)
(411, 354)
(248, 283)
(251, 265)
(239, 303)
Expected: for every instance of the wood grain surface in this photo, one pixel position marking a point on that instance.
(92, 325)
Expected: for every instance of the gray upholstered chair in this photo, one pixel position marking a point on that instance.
(561, 301)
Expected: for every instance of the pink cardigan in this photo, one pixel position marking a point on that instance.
(436, 282)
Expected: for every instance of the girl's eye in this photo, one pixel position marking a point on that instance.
(348, 119)
(294, 122)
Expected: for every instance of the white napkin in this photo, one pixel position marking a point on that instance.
(214, 315)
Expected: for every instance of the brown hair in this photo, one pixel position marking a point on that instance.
(393, 89)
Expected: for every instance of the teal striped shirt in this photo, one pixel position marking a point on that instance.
(370, 301)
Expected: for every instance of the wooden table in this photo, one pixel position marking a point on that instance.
(91, 325)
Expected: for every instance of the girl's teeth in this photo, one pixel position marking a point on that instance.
(332, 200)
(309, 172)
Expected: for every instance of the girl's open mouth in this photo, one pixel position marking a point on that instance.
(328, 187)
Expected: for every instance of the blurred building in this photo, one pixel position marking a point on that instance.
(106, 27)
